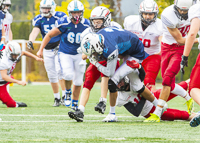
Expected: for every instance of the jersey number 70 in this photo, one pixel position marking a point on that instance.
(146, 42)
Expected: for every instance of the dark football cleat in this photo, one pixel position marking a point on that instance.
(100, 107)
(56, 102)
(76, 115)
(21, 104)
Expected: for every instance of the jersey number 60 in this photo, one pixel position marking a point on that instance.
(71, 37)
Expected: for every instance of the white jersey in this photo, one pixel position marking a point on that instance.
(6, 63)
(194, 12)
(170, 20)
(89, 29)
(149, 36)
(7, 24)
(133, 97)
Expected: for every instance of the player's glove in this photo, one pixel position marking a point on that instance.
(1, 54)
(93, 60)
(1, 45)
(133, 64)
(79, 50)
(30, 45)
(184, 63)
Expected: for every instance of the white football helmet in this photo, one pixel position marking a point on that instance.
(183, 5)
(13, 51)
(47, 7)
(148, 6)
(103, 13)
(75, 6)
(92, 43)
(4, 4)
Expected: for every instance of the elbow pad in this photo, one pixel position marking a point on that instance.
(141, 73)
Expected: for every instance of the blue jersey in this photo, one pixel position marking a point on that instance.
(70, 37)
(2, 16)
(125, 42)
(46, 24)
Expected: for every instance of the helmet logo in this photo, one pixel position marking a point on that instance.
(10, 49)
(86, 46)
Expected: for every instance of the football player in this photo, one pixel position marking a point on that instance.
(2, 31)
(194, 86)
(100, 18)
(149, 30)
(137, 105)
(72, 65)
(6, 5)
(175, 28)
(43, 23)
(110, 43)
(11, 56)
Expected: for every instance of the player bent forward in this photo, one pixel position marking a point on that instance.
(11, 56)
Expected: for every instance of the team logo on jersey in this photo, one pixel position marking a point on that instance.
(105, 50)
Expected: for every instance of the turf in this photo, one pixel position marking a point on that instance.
(40, 122)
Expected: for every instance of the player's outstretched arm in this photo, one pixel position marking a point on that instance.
(52, 33)
(194, 28)
(32, 37)
(26, 53)
(9, 79)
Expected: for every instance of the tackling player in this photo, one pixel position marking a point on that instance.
(194, 86)
(109, 43)
(149, 30)
(175, 28)
(43, 23)
(137, 105)
(11, 56)
(100, 18)
(72, 65)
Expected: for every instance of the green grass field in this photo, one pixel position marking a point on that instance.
(40, 122)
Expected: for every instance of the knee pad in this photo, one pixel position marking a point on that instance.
(141, 90)
(167, 81)
(53, 80)
(112, 86)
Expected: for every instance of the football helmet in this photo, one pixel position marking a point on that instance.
(148, 6)
(182, 5)
(124, 84)
(75, 6)
(92, 43)
(103, 13)
(47, 7)
(4, 4)
(13, 51)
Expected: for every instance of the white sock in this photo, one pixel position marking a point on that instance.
(112, 109)
(57, 95)
(158, 111)
(155, 102)
(81, 107)
(178, 90)
(103, 99)
(63, 93)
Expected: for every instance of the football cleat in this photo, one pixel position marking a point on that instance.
(110, 118)
(101, 106)
(195, 121)
(76, 115)
(56, 102)
(21, 104)
(62, 101)
(67, 100)
(190, 106)
(152, 118)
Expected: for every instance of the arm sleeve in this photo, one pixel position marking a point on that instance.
(135, 110)
(109, 70)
